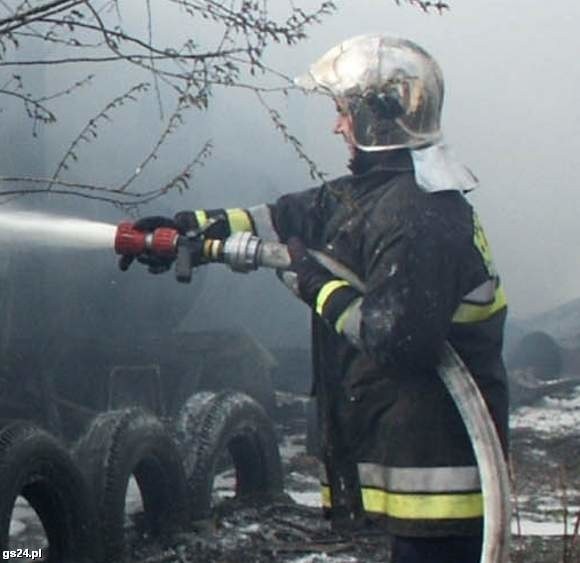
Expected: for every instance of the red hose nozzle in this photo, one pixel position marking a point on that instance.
(131, 242)
(128, 241)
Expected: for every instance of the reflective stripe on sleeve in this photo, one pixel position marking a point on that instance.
(472, 313)
(239, 220)
(201, 217)
(482, 294)
(418, 506)
(348, 324)
(262, 219)
(326, 291)
(211, 249)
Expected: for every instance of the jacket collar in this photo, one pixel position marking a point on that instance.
(393, 161)
(436, 167)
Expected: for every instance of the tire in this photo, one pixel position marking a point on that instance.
(35, 465)
(242, 364)
(539, 353)
(129, 442)
(213, 424)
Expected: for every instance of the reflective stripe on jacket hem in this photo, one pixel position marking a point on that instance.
(419, 479)
(418, 506)
(416, 479)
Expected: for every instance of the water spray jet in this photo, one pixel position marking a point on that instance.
(53, 230)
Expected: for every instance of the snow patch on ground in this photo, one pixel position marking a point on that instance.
(552, 415)
(311, 499)
(323, 557)
(291, 446)
(528, 527)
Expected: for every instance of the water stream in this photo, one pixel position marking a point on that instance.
(54, 230)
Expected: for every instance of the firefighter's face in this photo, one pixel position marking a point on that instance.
(344, 127)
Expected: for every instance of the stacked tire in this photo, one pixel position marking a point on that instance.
(124, 443)
(213, 425)
(80, 498)
(33, 464)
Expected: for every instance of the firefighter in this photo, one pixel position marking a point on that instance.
(401, 222)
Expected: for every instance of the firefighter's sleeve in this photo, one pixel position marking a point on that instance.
(411, 294)
(295, 214)
(225, 221)
(298, 214)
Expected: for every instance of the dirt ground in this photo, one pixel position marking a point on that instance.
(545, 460)
(545, 451)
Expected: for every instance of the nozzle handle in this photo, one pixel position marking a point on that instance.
(183, 266)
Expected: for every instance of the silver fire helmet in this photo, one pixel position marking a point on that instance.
(391, 87)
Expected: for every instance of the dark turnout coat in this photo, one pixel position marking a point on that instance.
(429, 276)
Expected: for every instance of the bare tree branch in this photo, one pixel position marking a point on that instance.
(97, 37)
(19, 20)
(90, 131)
(118, 196)
(426, 6)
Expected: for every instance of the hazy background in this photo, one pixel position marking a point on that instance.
(511, 113)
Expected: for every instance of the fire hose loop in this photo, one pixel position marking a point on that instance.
(482, 433)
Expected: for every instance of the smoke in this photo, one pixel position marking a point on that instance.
(510, 114)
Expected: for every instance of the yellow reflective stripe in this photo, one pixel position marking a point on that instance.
(340, 322)
(418, 507)
(423, 507)
(480, 242)
(471, 313)
(207, 248)
(326, 291)
(201, 217)
(239, 220)
(216, 247)
(211, 249)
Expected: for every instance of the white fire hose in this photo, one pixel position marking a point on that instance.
(244, 252)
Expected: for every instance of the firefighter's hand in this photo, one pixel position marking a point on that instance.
(186, 221)
(150, 224)
(310, 276)
(155, 264)
(215, 228)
